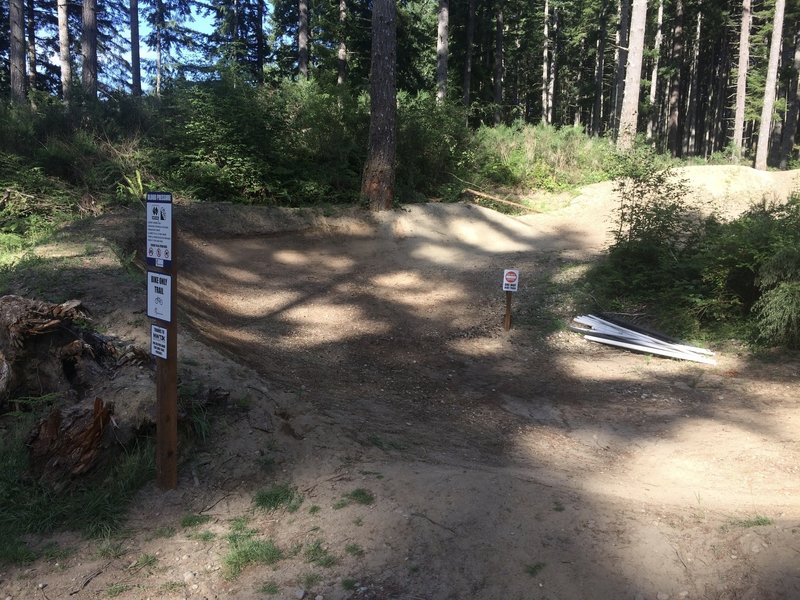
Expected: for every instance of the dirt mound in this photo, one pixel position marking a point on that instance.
(366, 359)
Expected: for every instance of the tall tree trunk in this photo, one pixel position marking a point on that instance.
(498, 64)
(30, 23)
(623, 43)
(546, 64)
(17, 50)
(378, 181)
(468, 53)
(89, 48)
(651, 122)
(741, 78)
(63, 50)
(690, 141)
(442, 50)
(674, 137)
(260, 46)
(136, 65)
(790, 128)
(159, 37)
(769, 90)
(342, 54)
(553, 69)
(302, 38)
(599, 70)
(633, 77)
(576, 119)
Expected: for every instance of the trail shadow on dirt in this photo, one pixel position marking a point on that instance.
(394, 336)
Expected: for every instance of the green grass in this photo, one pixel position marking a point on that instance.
(244, 549)
(358, 496)
(309, 580)
(757, 521)
(203, 536)
(354, 550)
(534, 569)
(95, 506)
(172, 587)
(361, 496)
(194, 520)
(110, 548)
(163, 532)
(145, 561)
(349, 584)
(270, 588)
(312, 510)
(279, 496)
(316, 554)
(558, 506)
(116, 589)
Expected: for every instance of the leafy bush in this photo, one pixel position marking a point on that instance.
(694, 275)
(431, 139)
(539, 156)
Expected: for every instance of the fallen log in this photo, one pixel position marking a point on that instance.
(500, 200)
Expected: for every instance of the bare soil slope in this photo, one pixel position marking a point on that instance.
(367, 352)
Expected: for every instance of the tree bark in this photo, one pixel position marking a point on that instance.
(30, 24)
(741, 78)
(623, 43)
(651, 122)
(378, 181)
(498, 64)
(546, 64)
(692, 114)
(89, 48)
(136, 67)
(17, 50)
(63, 50)
(342, 53)
(468, 52)
(762, 147)
(790, 128)
(553, 68)
(633, 77)
(674, 141)
(260, 46)
(302, 39)
(599, 70)
(442, 50)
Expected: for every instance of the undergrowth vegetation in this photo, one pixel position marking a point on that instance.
(95, 507)
(692, 272)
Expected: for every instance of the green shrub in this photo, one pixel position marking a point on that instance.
(539, 156)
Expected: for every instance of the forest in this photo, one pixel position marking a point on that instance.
(267, 102)
(321, 103)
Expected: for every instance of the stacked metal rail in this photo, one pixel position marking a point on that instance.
(632, 337)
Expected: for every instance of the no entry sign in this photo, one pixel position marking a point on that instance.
(510, 280)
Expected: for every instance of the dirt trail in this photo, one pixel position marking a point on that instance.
(368, 352)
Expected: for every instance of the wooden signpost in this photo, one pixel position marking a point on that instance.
(162, 292)
(510, 285)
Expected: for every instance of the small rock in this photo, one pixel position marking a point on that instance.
(42, 586)
(639, 597)
(299, 593)
(319, 597)
(187, 577)
(683, 594)
(662, 596)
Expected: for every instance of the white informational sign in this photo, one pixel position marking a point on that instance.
(159, 229)
(510, 280)
(158, 341)
(159, 296)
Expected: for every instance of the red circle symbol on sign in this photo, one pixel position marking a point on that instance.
(511, 277)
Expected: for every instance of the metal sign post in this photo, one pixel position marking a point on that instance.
(162, 292)
(510, 285)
